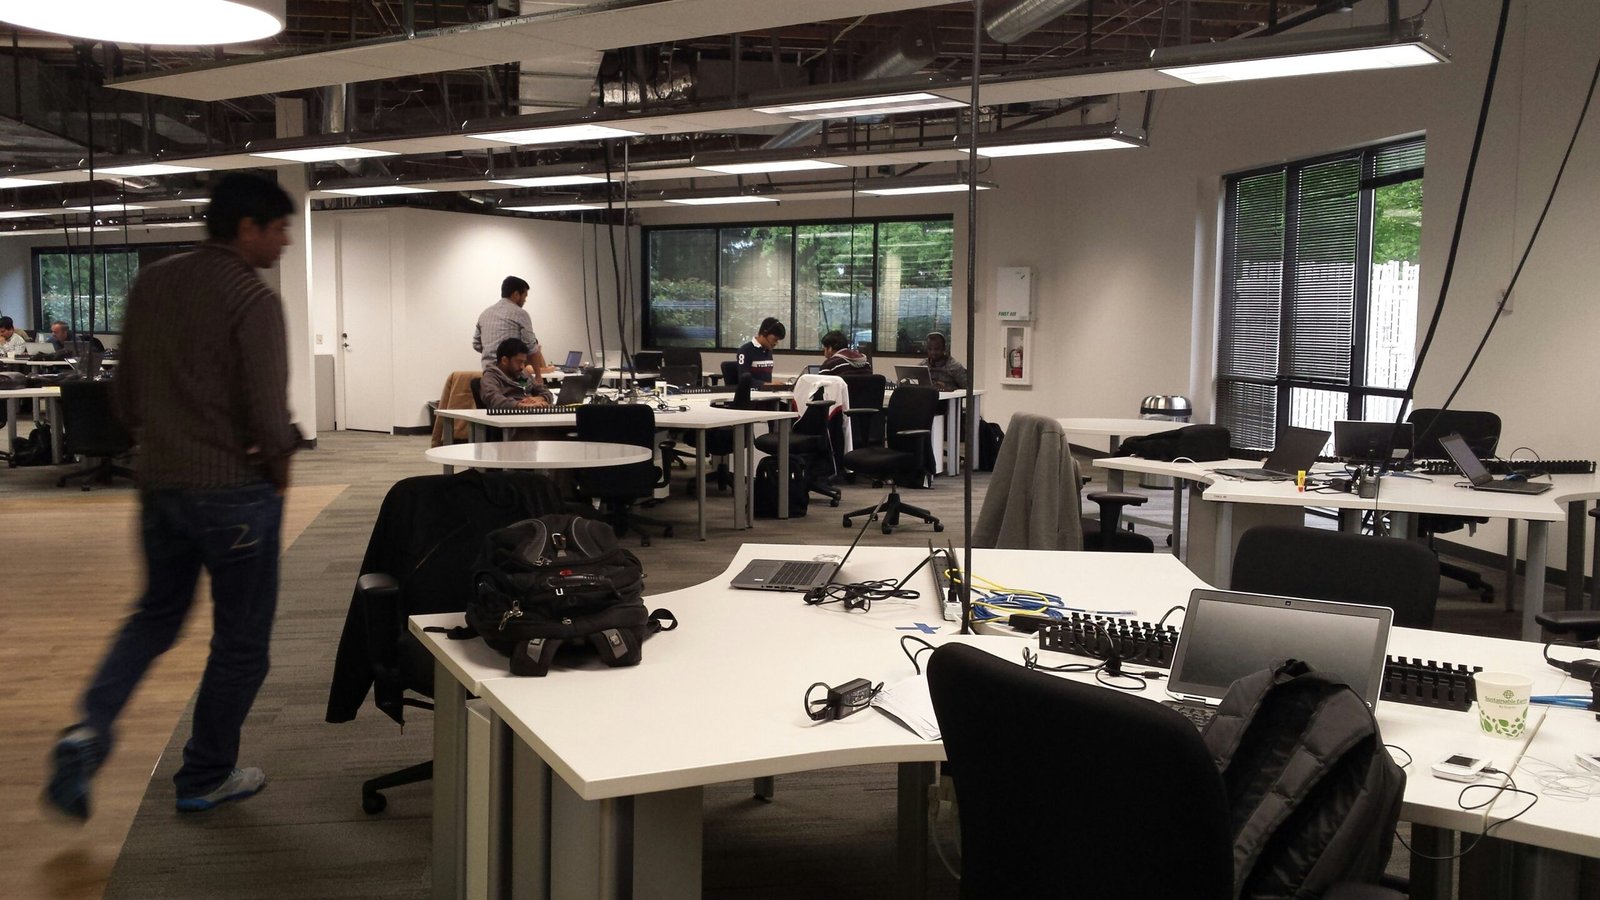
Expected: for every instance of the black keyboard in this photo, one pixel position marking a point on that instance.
(1201, 716)
(708, 389)
(1513, 466)
(534, 410)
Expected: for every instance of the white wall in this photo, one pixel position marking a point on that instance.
(447, 270)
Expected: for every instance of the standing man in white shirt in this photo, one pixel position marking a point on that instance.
(508, 319)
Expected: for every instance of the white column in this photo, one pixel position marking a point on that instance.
(294, 276)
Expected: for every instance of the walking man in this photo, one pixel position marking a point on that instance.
(215, 440)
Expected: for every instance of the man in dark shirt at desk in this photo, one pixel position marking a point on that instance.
(215, 440)
(946, 373)
(755, 357)
(839, 358)
(500, 387)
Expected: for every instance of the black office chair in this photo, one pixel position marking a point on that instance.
(93, 431)
(681, 376)
(730, 372)
(476, 386)
(618, 488)
(1107, 534)
(427, 536)
(811, 443)
(682, 358)
(907, 451)
(1127, 776)
(866, 398)
(646, 368)
(1331, 565)
(719, 441)
(1481, 430)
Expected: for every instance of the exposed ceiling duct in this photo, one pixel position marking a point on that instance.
(1009, 21)
(913, 47)
(556, 80)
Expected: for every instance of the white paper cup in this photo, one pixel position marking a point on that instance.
(1503, 703)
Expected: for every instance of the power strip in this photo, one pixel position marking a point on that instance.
(1141, 643)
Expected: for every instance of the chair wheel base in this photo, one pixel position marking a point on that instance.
(374, 803)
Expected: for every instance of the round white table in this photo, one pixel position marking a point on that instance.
(537, 455)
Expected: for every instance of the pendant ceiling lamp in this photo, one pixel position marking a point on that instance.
(160, 22)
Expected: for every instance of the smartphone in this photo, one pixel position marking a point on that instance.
(1460, 767)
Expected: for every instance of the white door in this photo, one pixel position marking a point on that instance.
(366, 335)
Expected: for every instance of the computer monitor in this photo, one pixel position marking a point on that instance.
(1371, 442)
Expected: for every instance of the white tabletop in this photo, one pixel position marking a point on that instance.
(29, 393)
(698, 415)
(538, 455)
(1117, 427)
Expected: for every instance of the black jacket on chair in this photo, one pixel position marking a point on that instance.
(428, 534)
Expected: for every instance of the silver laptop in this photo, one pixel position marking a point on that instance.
(574, 361)
(1456, 446)
(917, 376)
(36, 348)
(1296, 452)
(1227, 635)
(792, 575)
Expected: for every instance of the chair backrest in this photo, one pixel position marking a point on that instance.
(1480, 428)
(647, 360)
(866, 392)
(618, 424)
(1133, 794)
(1032, 499)
(814, 415)
(93, 428)
(477, 392)
(1350, 568)
(730, 372)
(681, 375)
(681, 356)
(910, 408)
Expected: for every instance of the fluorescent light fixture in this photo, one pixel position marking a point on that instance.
(555, 207)
(108, 208)
(718, 201)
(159, 22)
(777, 165)
(323, 154)
(378, 190)
(1315, 53)
(23, 182)
(551, 180)
(862, 106)
(554, 134)
(23, 213)
(148, 169)
(1038, 148)
(952, 188)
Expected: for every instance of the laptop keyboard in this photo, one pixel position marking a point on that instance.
(1201, 716)
(796, 573)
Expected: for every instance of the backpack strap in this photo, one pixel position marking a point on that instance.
(458, 633)
(533, 657)
(1239, 707)
(662, 620)
(618, 646)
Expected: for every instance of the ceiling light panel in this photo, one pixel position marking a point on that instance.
(862, 106)
(108, 207)
(921, 189)
(22, 213)
(377, 190)
(719, 201)
(158, 22)
(550, 180)
(323, 154)
(148, 169)
(778, 165)
(1043, 147)
(555, 134)
(6, 183)
(555, 207)
(1394, 56)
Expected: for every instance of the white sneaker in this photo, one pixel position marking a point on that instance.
(241, 783)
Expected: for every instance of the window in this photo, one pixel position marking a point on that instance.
(884, 283)
(61, 283)
(1318, 311)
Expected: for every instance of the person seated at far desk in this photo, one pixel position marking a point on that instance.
(755, 357)
(839, 358)
(946, 373)
(501, 388)
(11, 340)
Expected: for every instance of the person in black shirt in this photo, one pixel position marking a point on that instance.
(755, 357)
(839, 358)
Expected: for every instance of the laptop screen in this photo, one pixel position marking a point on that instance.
(1375, 442)
(917, 375)
(574, 359)
(1228, 635)
(1456, 446)
(1297, 449)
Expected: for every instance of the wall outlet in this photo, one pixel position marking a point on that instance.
(319, 340)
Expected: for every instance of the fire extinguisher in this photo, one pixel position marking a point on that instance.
(1015, 362)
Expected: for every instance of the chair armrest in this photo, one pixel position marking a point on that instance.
(1584, 623)
(819, 403)
(864, 411)
(378, 594)
(913, 431)
(1118, 497)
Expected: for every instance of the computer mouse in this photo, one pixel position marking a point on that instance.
(1516, 476)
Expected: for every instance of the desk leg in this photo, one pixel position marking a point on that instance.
(479, 432)
(1577, 534)
(449, 470)
(1511, 564)
(784, 427)
(56, 425)
(1222, 567)
(912, 814)
(1350, 521)
(1178, 487)
(1115, 478)
(1432, 879)
(11, 423)
(449, 783)
(1594, 562)
(952, 436)
(525, 824)
(668, 843)
(649, 846)
(741, 485)
(1533, 593)
(700, 479)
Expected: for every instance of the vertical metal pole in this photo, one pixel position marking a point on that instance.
(972, 339)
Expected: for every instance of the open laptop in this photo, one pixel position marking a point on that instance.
(38, 348)
(1456, 446)
(574, 361)
(917, 376)
(1297, 449)
(1227, 635)
(1372, 442)
(574, 391)
(792, 575)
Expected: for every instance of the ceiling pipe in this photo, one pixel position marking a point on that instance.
(1011, 20)
(913, 47)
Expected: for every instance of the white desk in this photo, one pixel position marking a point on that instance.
(618, 760)
(1116, 430)
(699, 417)
(948, 439)
(52, 398)
(537, 455)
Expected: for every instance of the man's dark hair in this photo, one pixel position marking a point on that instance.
(835, 340)
(241, 195)
(5, 322)
(770, 325)
(937, 334)
(510, 347)
(61, 323)
(512, 285)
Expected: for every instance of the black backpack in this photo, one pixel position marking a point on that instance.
(766, 488)
(555, 580)
(1314, 795)
(32, 450)
(1201, 443)
(990, 434)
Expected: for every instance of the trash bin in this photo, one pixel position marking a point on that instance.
(1168, 407)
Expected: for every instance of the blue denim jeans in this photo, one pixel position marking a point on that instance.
(234, 534)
